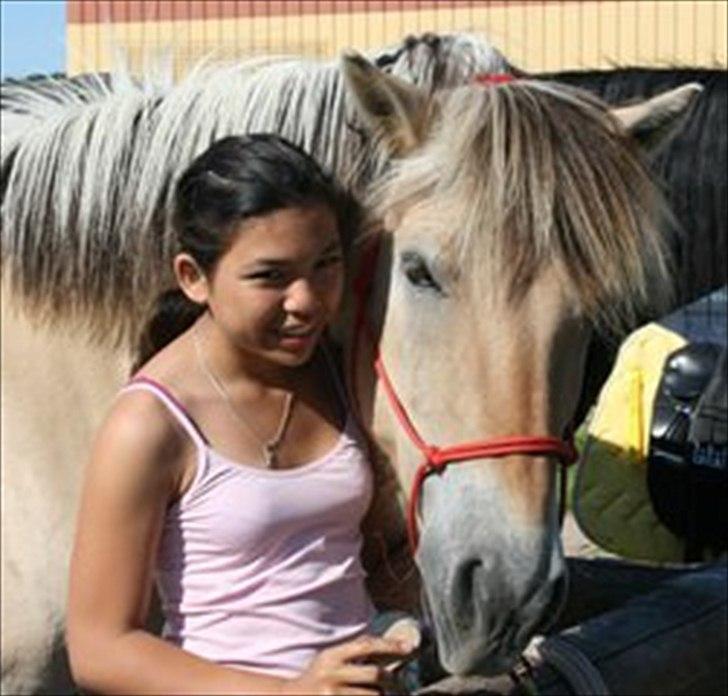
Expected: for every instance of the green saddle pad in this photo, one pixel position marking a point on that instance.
(611, 500)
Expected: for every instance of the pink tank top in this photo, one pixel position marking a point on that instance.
(259, 569)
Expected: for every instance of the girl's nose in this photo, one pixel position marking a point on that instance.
(301, 297)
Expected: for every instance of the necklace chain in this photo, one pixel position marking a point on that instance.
(269, 448)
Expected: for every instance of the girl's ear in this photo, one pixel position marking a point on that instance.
(191, 279)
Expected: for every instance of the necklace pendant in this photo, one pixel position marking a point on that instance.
(269, 456)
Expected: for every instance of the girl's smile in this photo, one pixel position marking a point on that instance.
(299, 340)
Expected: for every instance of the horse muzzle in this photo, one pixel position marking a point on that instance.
(490, 585)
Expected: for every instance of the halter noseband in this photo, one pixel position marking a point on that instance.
(435, 458)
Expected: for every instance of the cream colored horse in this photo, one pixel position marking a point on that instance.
(484, 295)
(517, 219)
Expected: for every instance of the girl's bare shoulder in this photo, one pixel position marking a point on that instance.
(141, 415)
(140, 440)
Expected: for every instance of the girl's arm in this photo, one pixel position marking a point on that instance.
(134, 470)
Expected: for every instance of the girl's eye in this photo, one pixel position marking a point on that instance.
(270, 275)
(417, 273)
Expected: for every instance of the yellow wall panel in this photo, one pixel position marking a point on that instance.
(534, 37)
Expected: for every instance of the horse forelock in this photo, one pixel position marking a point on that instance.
(538, 174)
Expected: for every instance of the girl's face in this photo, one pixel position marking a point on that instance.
(277, 287)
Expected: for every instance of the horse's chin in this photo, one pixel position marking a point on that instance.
(468, 658)
(477, 653)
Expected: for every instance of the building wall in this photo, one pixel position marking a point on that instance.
(534, 34)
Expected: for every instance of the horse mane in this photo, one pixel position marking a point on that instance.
(564, 187)
(89, 165)
(690, 165)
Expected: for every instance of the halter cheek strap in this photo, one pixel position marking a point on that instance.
(436, 458)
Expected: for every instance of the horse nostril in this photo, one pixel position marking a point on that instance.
(463, 591)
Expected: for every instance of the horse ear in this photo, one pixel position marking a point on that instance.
(654, 119)
(387, 104)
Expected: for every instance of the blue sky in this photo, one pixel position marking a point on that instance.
(33, 37)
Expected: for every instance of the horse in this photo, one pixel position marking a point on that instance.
(492, 272)
(505, 296)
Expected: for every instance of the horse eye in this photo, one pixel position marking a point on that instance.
(416, 271)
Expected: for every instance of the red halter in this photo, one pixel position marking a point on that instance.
(437, 458)
(493, 78)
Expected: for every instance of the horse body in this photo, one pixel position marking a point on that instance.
(477, 250)
(56, 388)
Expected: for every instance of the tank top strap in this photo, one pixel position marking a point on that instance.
(172, 404)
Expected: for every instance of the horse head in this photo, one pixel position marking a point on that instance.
(516, 219)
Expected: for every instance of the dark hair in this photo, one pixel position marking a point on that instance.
(234, 179)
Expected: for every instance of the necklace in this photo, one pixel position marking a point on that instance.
(269, 448)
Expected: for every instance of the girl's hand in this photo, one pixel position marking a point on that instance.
(355, 667)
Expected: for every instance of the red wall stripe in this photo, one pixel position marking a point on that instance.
(89, 11)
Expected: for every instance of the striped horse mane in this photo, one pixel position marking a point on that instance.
(89, 164)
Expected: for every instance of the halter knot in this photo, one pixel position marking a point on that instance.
(433, 457)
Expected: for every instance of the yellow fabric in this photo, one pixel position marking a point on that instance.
(611, 500)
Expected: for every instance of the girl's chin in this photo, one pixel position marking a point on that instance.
(298, 345)
(294, 351)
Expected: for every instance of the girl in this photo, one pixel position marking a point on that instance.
(228, 468)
